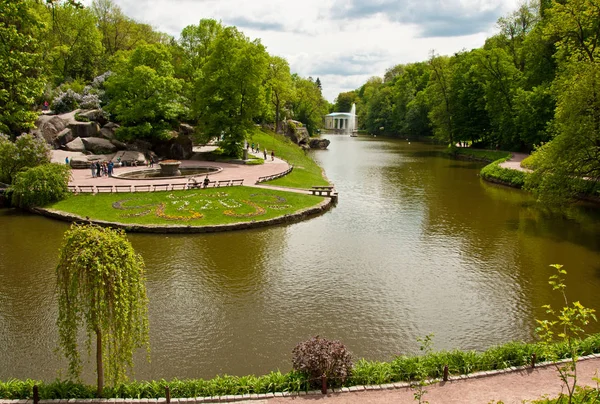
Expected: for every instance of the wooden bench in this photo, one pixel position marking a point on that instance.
(104, 188)
(223, 183)
(237, 182)
(86, 188)
(161, 187)
(142, 188)
(322, 189)
(72, 188)
(180, 187)
(122, 188)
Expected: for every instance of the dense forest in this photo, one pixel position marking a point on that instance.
(535, 85)
(212, 76)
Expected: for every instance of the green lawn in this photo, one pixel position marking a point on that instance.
(306, 172)
(484, 155)
(202, 207)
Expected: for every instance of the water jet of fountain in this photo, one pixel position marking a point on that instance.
(352, 121)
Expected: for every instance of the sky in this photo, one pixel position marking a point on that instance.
(342, 42)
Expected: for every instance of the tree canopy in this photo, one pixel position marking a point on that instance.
(101, 289)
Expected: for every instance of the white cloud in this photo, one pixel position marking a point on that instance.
(341, 42)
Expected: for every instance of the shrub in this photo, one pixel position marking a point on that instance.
(66, 101)
(41, 185)
(319, 356)
(81, 118)
(493, 172)
(90, 101)
(27, 151)
(291, 127)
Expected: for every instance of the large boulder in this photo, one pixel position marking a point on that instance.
(79, 161)
(140, 145)
(319, 143)
(49, 128)
(179, 147)
(98, 145)
(120, 145)
(63, 137)
(129, 158)
(84, 129)
(95, 115)
(186, 129)
(75, 145)
(106, 134)
(296, 132)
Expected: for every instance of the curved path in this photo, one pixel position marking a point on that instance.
(231, 171)
(514, 162)
(509, 387)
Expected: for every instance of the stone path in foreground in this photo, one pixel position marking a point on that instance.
(510, 388)
(515, 162)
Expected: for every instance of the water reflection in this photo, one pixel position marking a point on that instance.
(417, 244)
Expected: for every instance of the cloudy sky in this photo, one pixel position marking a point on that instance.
(342, 42)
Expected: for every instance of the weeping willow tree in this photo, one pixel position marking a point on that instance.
(101, 288)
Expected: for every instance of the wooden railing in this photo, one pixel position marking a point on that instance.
(274, 176)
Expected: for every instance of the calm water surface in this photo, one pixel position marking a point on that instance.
(418, 244)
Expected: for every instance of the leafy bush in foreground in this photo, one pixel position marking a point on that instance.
(493, 172)
(318, 357)
(41, 185)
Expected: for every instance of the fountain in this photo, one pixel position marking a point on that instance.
(352, 121)
(169, 168)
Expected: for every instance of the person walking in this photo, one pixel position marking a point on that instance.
(93, 166)
(265, 153)
(97, 169)
(272, 155)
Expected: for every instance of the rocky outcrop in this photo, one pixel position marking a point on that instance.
(186, 129)
(319, 143)
(95, 115)
(120, 145)
(129, 157)
(79, 161)
(296, 132)
(63, 137)
(84, 129)
(179, 147)
(49, 128)
(75, 145)
(98, 145)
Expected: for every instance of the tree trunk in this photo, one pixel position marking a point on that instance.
(99, 367)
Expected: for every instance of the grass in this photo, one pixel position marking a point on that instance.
(401, 368)
(203, 207)
(306, 172)
(508, 176)
(483, 155)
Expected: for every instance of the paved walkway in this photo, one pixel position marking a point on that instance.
(515, 162)
(510, 388)
(231, 171)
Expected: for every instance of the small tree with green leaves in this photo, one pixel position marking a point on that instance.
(426, 344)
(41, 185)
(101, 287)
(567, 324)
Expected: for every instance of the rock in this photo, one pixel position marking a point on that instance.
(128, 157)
(319, 143)
(50, 128)
(186, 129)
(179, 147)
(84, 129)
(107, 134)
(112, 126)
(63, 137)
(120, 145)
(304, 146)
(95, 115)
(299, 135)
(98, 145)
(140, 145)
(75, 145)
(79, 161)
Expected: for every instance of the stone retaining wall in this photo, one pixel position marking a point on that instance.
(138, 228)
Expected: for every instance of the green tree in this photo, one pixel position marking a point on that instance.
(143, 94)
(230, 90)
(21, 82)
(439, 98)
(40, 185)
(279, 83)
(27, 151)
(308, 106)
(101, 288)
(72, 44)
(344, 101)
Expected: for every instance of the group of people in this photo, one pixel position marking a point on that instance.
(257, 150)
(102, 169)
